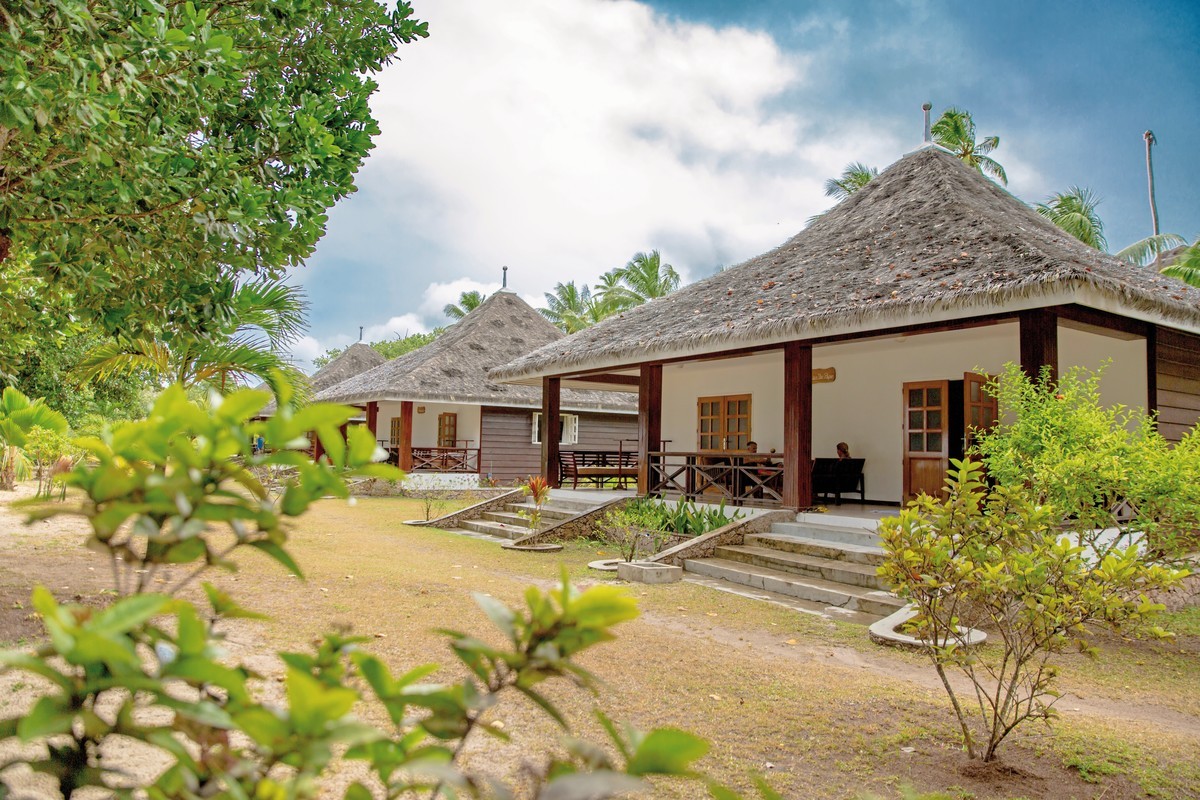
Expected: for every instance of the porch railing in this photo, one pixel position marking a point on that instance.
(736, 478)
(445, 459)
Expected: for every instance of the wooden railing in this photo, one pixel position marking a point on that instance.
(599, 468)
(738, 478)
(445, 459)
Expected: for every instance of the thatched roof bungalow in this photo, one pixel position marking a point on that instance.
(868, 327)
(437, 410)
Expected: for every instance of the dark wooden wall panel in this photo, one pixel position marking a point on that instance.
(507, 451)
(1178, 373)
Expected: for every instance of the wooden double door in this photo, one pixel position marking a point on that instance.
(941, 420)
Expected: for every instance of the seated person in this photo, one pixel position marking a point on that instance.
(843, 450)
(755, 460)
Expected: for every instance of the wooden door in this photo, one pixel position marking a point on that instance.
(447, 429)
(395, 432)
(926, 443)
(980, 409)
(723, 423)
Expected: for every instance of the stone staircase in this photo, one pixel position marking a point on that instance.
(828, 562)
(511, 523)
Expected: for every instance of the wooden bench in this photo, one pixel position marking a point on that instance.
(833, 477)
(597, 467)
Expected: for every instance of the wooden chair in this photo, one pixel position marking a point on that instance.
(833, 477)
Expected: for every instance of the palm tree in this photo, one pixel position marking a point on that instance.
(467, 302)
(612, 292)
(18, 416)
(646, 277)
(855, 176)
(1186, 265)
(1151, 141)
(1075, 212)
(955, 131)
(573, 308)
(264, 316)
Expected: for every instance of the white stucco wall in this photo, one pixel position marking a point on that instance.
(425, 425)
(1124, 380)
(864, 406)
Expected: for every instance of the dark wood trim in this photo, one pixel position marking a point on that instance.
(373, 418)
(1134, 328)
(981, 321)
(406, 428)
(617, 380)
(551, 425)
(1039, 342)
(649, 420)
(1152, 369)
(797, 425)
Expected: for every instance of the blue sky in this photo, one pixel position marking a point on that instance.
(560, 137)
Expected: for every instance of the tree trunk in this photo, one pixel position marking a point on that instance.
(1149, 137)
(8, 476)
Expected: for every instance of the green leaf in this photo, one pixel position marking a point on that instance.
(224, 606)
(667, 751)
(48, 717)
(279, 554)
(127, 614)
(591, 785)
(315, 706)
(501, 615)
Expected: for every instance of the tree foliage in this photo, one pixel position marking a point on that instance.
(1186, 266)
(955, 131)
(855, 176)
(19, 416)
(467, 302)
(1106, 469)
(1075, 212)
(150, 153)
(643, 278)
(177, 490)
(998, 560)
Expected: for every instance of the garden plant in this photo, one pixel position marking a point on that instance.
(1027, 558)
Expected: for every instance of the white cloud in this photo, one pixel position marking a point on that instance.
(438, 295)
(562, 136)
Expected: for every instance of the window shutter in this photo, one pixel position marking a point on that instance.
(537, 427)
(570, 429)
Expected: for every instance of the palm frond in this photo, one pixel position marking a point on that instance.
(1074, 211)
(1144, 251)
(116, 358)
(1187, 267)
(276, 308)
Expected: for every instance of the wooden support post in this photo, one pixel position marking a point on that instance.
(406, 414)
(649, 421)
(551, 425)
(373, 418)
(1039, 342)
(797, 425)
(1152, 369)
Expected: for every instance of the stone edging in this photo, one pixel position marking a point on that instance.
(733, 533)
(576, 527)
(470, 512)
(885, 632)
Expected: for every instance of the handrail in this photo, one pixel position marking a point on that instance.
(445, 459)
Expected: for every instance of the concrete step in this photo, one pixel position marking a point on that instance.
(847, 572)
(865, 536)
(508, 518)
(549, 512)
(819, 590)
(500, 529)
(860, 554)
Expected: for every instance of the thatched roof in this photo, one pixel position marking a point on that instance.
(454, 367)
(927, 240)
(356, 358)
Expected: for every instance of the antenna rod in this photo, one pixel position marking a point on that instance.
(504, 280)
(928, 133)
(1150, 140)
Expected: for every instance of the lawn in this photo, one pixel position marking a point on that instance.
(810, 703)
